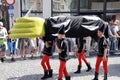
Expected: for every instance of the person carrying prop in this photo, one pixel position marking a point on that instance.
(102, 55)
(3, 36)
(81, 56)
(61, 47)
(45, 63)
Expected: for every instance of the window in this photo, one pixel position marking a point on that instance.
(64, 5)
(71, 6)
(36, 6)
(112, 5)
(85, 7)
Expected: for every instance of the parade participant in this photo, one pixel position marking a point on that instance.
(3, 36)
(81, 56)
(62, 49)
(102, 55)
(48, 72)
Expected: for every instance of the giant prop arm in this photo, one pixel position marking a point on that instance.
(75, 27)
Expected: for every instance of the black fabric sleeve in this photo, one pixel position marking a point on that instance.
(105, 43)
(76, 41)
(63, 46)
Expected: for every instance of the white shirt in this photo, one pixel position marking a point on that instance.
(3, 32)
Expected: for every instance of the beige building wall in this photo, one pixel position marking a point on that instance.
(61, 5)
(37, 4)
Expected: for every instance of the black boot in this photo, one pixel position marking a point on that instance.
(105, 76)
(50, 73)
(89, 67)
(67, 78)
(2, 60)
(45, 75)
(96, 76)
(78, 70)
(13, 59)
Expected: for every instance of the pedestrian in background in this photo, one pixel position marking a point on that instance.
(3, 45)
(12, 46)
(113, 36)
(23, 45)
(40, 46)
(88, 45)
(33, 47)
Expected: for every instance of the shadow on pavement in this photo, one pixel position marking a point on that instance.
(55, 76)
(83, 73)
(114, 70)
(33, 77)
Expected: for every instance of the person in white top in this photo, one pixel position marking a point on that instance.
(116, 23)
(40, 46)
(113, 37)
(3, 36)
(88, 42)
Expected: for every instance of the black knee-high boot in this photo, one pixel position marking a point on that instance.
(89, 67)
(50, 73)
(2, 59)
(96, 76)
(67, 78)
(45, 75)
(105, 76)
(78, 69)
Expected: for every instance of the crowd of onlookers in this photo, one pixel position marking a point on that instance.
(24, 46)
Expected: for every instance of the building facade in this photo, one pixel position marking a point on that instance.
(48, 8)
(105, 8)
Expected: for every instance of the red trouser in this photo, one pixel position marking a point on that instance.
(105, 62)
(82, 57)
(62, 69)
(45, 63)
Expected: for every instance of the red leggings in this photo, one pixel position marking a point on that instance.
(105, 63)
(82, 57)
(62, 69)
(45, 63)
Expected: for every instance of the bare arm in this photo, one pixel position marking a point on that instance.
(83, 46)
(46, 44)
(116, 34)
(59, 50)
(105, 54)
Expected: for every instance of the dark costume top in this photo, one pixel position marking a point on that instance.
(48, 51)
(102, 44)
(80, 42)
(62, 44)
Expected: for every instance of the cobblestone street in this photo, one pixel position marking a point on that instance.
(31, 69)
